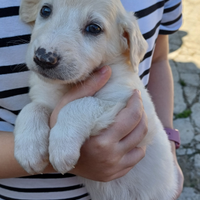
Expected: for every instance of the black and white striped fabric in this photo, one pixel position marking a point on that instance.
(154, 17)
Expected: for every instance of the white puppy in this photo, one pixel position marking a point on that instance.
(70, 39)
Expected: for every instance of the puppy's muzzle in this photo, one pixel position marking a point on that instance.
(46, 60)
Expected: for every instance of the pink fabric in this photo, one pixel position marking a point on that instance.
(173, 135)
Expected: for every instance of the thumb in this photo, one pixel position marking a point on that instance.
(87, 88)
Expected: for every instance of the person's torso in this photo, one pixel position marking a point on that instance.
(14, 76)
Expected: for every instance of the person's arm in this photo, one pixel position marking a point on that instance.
(105, 157)
(160, 84)
(161, 89)
(9, 167)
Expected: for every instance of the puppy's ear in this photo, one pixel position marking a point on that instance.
(29, 10)
(132, 39)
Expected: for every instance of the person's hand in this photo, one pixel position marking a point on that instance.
(114, 151)
(84, 89)
(180, 173)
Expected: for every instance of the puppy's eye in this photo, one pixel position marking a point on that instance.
(45, 11)
(93, 29)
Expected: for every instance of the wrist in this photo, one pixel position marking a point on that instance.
(173, 146)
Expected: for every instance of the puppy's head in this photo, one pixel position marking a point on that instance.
(71, 38)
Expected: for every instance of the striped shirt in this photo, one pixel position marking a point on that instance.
(154, 17)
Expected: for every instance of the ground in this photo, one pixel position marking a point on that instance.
(185, 63)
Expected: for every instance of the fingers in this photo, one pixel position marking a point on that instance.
(114, 152)
(136, 136)
(134, 156)
(127, 163)
(89, 87)
(128, 118)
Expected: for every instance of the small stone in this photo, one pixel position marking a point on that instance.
(189, 193)
(197, 161)
(186, 130)
(181, 152)
(190, 79)
(197, 138)
(179, 103)
(190, 93)
(187, 67)
(196, 114)
(197, 129)
(198, 146)
(190, 151)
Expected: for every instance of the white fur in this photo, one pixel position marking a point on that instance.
(120, 46)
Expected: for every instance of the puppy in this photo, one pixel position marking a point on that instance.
(70, 39)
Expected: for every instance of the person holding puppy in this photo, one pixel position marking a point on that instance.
(119, 141)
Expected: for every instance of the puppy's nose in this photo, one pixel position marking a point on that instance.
(46, 60)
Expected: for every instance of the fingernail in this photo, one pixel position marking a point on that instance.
(103, 70)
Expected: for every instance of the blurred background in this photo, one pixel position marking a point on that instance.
(185, 62)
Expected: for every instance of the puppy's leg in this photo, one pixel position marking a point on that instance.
(31, 138)
(75, 123)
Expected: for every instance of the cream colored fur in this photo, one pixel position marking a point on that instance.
(120, 46)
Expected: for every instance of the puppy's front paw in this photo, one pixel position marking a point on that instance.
(31, 153)
(31, 138)
(64, 151)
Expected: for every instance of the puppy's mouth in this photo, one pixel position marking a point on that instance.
(57, 75)
(69, 76)
(50, 74)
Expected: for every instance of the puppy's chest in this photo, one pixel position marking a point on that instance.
(46, 93)
(118, 88)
